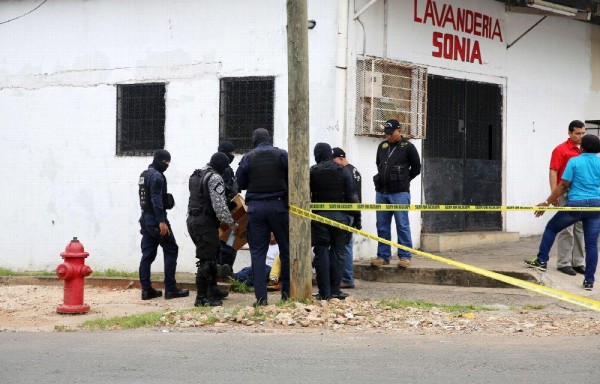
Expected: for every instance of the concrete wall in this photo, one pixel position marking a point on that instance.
(61, 63)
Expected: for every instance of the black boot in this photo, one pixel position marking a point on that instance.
(216, 292)
(204, 276)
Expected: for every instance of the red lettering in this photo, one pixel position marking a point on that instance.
(438, 44)
(476, 54)
(497, 31)
(460, 19)
(448, 46)
(428, 13)
(450, 17)
(486, 26)
(459, 47)
(477, 28)
(417, 18)
(468, 21)
(439, 18)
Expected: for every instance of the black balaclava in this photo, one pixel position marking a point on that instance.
(260, 135)
(322, 152)
(227, 148)
(159, 156)
(219, 162)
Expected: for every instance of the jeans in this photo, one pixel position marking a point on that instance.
(384, 223)
(245, 275)
(591, 230)
(348, 269)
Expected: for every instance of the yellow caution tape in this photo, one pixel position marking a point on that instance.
(438, 207)
(555, 293)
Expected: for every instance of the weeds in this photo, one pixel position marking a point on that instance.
(455, 308)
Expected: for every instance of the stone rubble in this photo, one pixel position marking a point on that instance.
(369, 315)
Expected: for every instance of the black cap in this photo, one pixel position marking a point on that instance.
(390, 126)
(338, 152)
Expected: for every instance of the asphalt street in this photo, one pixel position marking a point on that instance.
(151, 356)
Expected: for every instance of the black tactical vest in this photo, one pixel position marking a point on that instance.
(200, 203)
(144, 192)
(394, 169)
(327, 183)
(265, 173)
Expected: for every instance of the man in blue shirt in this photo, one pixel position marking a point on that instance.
(582, 179)
(263, 173)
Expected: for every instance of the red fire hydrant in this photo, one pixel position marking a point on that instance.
(72, 271)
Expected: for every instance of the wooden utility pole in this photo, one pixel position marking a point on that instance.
(299, 195)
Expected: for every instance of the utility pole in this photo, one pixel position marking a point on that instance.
(299, 189)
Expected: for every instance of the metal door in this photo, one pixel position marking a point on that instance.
(462, 154)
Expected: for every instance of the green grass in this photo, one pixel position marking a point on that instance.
(533, 307)
(454, 308)
(148, 319)
(107, 273)
(239, 287)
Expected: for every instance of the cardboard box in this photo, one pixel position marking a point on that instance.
(240, 215)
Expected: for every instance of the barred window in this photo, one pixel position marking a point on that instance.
(246, 103)
(140, 119)
(388, 89)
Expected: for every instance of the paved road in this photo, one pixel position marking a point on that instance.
(150, 356)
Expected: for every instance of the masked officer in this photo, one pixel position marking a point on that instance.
(330, 183)
(207, 207)
(156, 229)
(263, 173)
(227, 254)
(339, 157)
(397, 164)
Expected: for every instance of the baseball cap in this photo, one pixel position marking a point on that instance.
(338, 152)
(390, 126)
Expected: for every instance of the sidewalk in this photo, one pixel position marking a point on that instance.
(504, 258)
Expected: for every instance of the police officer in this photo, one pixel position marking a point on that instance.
(331, 183)
(207, 207)
(397, 164)
(339, 157)
(263, 173)
(228, 254)
(156, 229)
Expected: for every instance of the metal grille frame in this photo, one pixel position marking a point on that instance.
(246, 103)
(140, 119)
(389, 89)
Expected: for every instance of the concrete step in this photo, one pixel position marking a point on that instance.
(440, 242)
(435, 276)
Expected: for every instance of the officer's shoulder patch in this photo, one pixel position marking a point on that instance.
(384, 145)
(219, 188)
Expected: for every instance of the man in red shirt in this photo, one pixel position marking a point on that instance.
(570, 245)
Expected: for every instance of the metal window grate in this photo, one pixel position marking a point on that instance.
(246, 103)
(140, 119)
(388, 89)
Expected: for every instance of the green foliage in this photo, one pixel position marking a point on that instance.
(455, 308)
(148, 319)
(239, 287)
(115, 273)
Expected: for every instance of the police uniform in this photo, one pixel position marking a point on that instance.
(397, 164)
(227, 254)
(154, 201)
(263, 173)
(332, 183)
(207, 207)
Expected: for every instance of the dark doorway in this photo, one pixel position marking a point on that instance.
(462, 154)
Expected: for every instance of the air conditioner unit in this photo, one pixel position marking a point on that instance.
(373, 84)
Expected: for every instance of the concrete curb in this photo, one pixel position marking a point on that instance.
(435, 276)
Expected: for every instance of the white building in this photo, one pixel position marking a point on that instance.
(76, 124)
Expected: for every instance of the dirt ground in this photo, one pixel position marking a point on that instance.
(33, 307)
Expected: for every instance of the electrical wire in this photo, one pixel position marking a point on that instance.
(25, 14)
